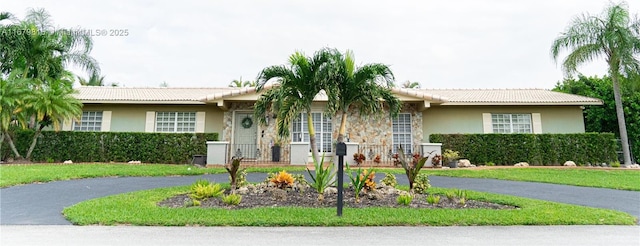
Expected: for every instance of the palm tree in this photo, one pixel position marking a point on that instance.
(366, 87)
(12, 93)
(94, 80)
(43, 52)
(410, 85)
(297, 85)
(615, 36)
(52, 105)
(241, 83)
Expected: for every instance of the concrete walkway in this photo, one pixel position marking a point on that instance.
(300, 236)
(42, 204)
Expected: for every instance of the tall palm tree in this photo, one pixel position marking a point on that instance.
(613, 35)
(410, 85)
(367, 88)
(298, 84)
(94, 80)
(43, 52)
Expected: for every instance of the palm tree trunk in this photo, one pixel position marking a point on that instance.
(12, 146)
(312, 138)
(621, 121)
(33, 142)
(343, 126)
(1, 142)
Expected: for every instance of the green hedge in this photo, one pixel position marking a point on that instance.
(112, 146)
(536, 149)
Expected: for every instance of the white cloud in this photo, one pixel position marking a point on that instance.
(442, 44)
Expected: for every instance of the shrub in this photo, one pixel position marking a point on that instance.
(535, 149)
(202, 189)
(404, 199)
(490, 164)
(614, 164)
(389, 180)
(282, 180)
(359, 158)
(232, 199)
(241, 179)
(433, 199)
(112, 146)
(450, 155)
(450, 195)
(421, 183)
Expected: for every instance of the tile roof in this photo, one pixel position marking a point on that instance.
(173, 95)
(511, 97)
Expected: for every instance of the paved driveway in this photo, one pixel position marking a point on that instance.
(42, 204)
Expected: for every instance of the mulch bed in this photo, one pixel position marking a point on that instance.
(281, 198)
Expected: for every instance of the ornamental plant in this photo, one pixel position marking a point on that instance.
(450, 155)
(421, 183)
(359, 158)
(283, 180)
(389, 180)
(412, 166)
(233, 169)
(404, 199)
(202, 189)
(323, 178)
(361, 179)
(232, 199)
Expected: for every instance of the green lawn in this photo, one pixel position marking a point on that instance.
(30, 173)
(621, 179)
(604, 178)
(139, 208)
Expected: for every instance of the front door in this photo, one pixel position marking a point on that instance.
(245, 136)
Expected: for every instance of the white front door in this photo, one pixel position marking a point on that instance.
(245, 136)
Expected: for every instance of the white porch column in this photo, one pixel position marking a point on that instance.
(428, 147)
(299, 153)
(217, 152)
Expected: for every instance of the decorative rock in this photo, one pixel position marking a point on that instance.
(569, 164)
(445, 167)
(472, 165)
(242, 190)
(464, 163)
(633, 166)
(68, 162)
(521, 164)
(135, 162)
(330, 191)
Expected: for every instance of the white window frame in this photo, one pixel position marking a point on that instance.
(402, 133)
(512, 123)
(323, 127)
(175, 122)
(91, 121)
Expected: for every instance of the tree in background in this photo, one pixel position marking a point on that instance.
(602, 118)
(37, 87)
(94, 80)
(241, 83)
(615, 36)
(411, 85)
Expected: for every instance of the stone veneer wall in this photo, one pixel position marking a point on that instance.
(374, 130)
(377, 130)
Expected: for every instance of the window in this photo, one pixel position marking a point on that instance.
(322, 126)
(511, 123)
(402, 133)
(90, 121)
(175, 121)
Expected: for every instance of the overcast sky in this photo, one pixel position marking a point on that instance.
(441, 44)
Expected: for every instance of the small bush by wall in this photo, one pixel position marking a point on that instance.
(536, 149)
(112, 146)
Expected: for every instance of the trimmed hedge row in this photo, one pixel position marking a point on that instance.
(536, 149)
(112, 146)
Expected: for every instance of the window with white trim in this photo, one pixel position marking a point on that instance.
(321, 124)
(511, 123)
(402, 133)
(175, 121)
(90, 121)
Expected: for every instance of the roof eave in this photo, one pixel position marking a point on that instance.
(141, 102)
(520, 103)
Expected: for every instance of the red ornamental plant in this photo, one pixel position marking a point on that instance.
(359, 158)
